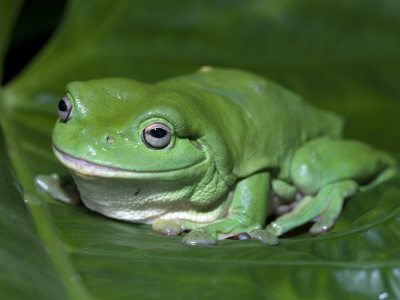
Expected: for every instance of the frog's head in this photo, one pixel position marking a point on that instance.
(120, 128)
(149, 148)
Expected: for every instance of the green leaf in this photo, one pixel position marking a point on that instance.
(25, 266)
(341, 55)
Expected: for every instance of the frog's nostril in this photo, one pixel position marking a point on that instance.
(110, 139)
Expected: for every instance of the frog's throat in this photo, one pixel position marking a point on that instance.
(85, 168)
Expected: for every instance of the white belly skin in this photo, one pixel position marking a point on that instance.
(145, 201)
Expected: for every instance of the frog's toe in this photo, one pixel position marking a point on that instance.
(167, 227)
(337, 195)
(199, 237)
(265, 237)
(327, 219)
(213, 232)
(321, 227)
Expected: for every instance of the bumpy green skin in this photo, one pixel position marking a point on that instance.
(240, 147)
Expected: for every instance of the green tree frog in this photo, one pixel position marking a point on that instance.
(213, 153)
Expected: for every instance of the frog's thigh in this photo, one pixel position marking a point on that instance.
(285, 191)
(324, 161)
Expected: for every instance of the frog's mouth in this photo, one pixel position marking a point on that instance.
(85, 168)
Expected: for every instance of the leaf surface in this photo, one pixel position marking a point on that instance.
(340, 55)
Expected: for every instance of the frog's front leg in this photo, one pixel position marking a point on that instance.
(246, 216)
(58, 188)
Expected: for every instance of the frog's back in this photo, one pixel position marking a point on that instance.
(261, 122)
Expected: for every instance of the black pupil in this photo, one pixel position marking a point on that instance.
(62, 106)
(158, 133)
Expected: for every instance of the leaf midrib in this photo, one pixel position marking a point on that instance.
(42, 220)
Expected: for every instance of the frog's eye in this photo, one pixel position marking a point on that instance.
(65, 109)
(156, 135)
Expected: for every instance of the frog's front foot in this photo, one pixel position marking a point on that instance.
(58, 189)
(200, 237)
(176, 227)
(168, 227)
(219, 230)
(265, 237)
(210, 234)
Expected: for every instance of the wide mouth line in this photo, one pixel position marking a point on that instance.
(85, 167)
(71, 161)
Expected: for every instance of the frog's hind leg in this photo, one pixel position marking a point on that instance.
(334, 194)
(325, 206)
(386, 174)
(332, 170)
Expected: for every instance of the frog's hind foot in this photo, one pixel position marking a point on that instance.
(325, 207)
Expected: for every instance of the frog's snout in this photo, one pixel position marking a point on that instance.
(110, 139)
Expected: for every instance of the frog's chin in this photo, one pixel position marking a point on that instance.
(84, 168)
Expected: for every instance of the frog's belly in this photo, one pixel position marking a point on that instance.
(145, 201)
